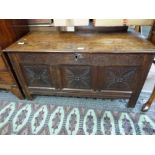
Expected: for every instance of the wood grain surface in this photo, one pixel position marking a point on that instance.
(83, 42)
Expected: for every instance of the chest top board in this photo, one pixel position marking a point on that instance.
(98, 65)
(85, 42)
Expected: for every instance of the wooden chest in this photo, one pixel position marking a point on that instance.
(113, 65)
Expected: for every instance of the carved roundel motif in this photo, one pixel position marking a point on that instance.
(37, 75)
(77, 77)
(119, 78)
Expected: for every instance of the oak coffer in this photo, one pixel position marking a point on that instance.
(98, 65)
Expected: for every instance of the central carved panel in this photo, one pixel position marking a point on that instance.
(37, 75)
(78, 77)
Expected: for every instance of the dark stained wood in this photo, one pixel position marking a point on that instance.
(93, 29)
(142, 74)
(81, 93)
(121, 78)
(76, 77)
(113, 65)
(151, 36)
(10, 31)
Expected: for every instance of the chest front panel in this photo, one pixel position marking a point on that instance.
(78, 72)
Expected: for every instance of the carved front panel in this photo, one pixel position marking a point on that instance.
(77, 77)
(37, 75)
(119, 78)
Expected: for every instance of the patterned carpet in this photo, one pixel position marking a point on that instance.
(70, 116)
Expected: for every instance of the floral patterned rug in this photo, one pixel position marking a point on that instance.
(50, 119)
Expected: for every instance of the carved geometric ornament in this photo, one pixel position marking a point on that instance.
(119, 78)
(78, 77)
(37, 75)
